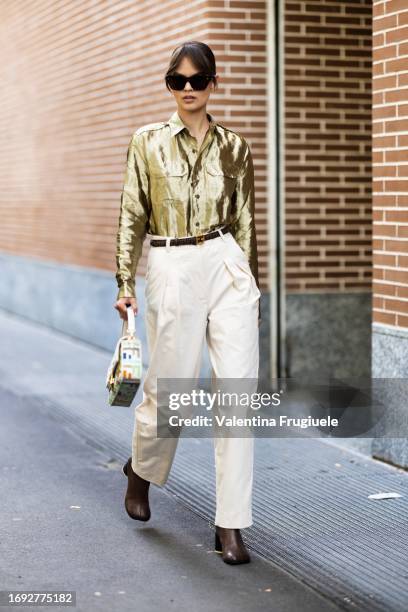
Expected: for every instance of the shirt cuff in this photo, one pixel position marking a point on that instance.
(126, 290)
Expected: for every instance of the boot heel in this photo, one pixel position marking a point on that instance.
(217, 544)
(125, 468)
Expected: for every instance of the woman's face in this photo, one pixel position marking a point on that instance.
(199, 98)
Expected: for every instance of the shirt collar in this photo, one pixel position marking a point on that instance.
(176, 124)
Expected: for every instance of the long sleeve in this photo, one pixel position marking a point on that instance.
(133, 218)
(244, 225)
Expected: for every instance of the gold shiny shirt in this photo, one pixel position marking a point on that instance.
(172, 188)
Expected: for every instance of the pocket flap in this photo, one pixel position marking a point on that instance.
(175, 169)
(216, 169)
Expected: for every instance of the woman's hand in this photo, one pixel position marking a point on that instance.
(122, 303)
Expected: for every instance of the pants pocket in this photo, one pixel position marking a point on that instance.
(243, 279)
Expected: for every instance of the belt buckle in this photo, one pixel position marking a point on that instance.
(200, 239)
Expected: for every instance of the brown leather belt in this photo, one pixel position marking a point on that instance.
(189, 239)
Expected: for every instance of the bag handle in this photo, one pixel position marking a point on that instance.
(129, 325)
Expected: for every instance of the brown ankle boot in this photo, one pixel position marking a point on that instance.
(229, 543)
(137, 494)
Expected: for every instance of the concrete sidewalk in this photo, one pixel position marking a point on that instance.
(312, 518)
(95, 549)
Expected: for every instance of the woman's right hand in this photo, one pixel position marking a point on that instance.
(122, 303)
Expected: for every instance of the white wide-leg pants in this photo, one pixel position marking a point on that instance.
(197, 292)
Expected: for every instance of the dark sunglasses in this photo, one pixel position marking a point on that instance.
(198, 81)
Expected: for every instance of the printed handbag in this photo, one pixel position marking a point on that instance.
(125, 369)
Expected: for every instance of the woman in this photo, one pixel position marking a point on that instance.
(192, 179)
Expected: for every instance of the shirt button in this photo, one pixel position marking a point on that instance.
(197, 195)
(197, 223)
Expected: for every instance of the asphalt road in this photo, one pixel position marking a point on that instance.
(64, 527)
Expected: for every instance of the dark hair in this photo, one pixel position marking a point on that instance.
(200, 55)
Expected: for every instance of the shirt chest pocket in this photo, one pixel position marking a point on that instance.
(168, 182)
(221, 180)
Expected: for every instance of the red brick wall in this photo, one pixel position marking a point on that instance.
(77, 80)
(237, 35)
(390, 162)
(327, 134)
